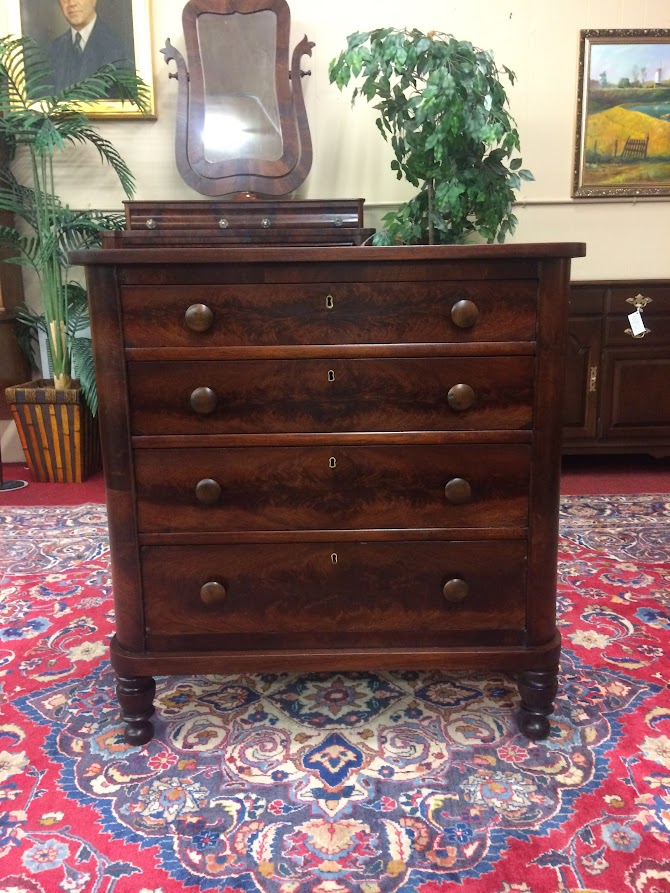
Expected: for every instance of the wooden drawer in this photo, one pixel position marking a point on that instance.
(329, 313)
(331, 487)
(397, 394)
(341, 593)
(659, 295)
(658, 331)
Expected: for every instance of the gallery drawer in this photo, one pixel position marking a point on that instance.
(349, 592)
(332, 487)
(328, 313)
(327, 395)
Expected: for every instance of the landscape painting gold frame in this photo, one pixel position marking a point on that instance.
(141, 26)
(622, 142)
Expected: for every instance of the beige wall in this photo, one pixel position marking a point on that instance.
(537, 39)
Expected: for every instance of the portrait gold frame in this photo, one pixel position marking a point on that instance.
(111, 108)
(612, 143)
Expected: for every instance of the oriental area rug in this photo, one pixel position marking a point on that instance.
(416, 782)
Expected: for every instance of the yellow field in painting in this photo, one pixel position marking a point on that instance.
(615, 125)
(646, 173)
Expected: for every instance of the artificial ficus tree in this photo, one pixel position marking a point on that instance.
(443, 107)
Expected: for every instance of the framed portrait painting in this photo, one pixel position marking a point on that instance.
(110, 31)
(622, 143)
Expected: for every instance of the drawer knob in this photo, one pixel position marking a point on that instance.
(199, 318)
(464, 314)
(203, 401)
(208, 491)
(460, 397)
(458, 491)
(212, 593)
(455, 590)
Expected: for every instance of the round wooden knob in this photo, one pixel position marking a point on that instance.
(212, 593)
(460, 397)
(203, 401)
(464, 314)
(199, 318)
(208, 491)
(458, 491)
(455, 590)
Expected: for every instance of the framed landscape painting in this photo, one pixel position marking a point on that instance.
(121, 30)
(622, 144)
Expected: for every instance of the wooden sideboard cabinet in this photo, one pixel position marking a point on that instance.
(617, 398)
(331, 458)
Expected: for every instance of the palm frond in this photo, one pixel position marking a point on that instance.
(26, 248)
(107, 152)
(26, 73)
(82, 358)
(77, 303)
(40, 121)
(121, 80)
(16, 198)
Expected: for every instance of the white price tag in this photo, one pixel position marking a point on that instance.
(636, 324)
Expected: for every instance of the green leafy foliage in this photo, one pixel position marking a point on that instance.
(40, 123)
(442, 107)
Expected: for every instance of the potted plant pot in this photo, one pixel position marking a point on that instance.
(58, 433)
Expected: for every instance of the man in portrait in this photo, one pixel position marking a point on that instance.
(87, 45)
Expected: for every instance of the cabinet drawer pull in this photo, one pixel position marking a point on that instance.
(208, 491)
(213, 593)
(464, 314)
(460, 397)
(455, 590)
(203, 401)
(199, 318)
(458, 491)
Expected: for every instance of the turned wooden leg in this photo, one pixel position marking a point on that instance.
(538, 690)
(136, 697)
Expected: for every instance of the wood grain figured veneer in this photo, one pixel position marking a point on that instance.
(331, 458)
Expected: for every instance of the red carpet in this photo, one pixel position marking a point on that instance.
(91, 490)
(337, 783)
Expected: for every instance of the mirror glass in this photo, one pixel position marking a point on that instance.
(241, 111)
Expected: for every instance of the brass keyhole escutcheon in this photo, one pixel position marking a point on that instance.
(208, 491)
(330, 302)
(213, 593)
(333, 558)
(199, 318)
(203, 401)
(460, 397)
(458, 491)
(332, 462)
(455, 590)
(464, 314)
(331, 375)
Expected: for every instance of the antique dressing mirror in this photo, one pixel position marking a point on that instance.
(241, 121)
(241, 138)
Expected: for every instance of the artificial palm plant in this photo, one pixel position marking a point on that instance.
(442, 105)
(38, 123)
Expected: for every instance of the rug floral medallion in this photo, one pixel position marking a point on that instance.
(342, 782)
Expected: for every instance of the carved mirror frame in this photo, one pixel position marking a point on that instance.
(268, 177)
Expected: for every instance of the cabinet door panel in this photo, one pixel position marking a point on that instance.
(582, 370)
(636, 395)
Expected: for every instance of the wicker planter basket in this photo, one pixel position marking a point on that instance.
(59, 436)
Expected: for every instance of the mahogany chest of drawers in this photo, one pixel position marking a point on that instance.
(331, 458)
